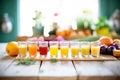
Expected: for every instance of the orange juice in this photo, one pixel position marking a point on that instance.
(53, 51)
(95, 51)
(85, 51)
(33, 50)
(64, 51)
(22, 51)
(75, 51)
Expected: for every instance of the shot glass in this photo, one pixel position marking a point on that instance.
(85, 49)
(43, 48)
(95, 49)
(75, 49)
(53, 49)
(22, 48)
(32, 48)
(64, 48)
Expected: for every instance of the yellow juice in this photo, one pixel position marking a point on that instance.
(54, 51)
(22, 51)
(64, 51)
(85, 51)
(75, 51)
(95, 51)
(33, 50)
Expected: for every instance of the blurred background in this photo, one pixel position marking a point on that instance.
(70, 19)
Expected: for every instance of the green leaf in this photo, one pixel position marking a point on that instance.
(26, 62)
(53, 32)
(54, 60)
(102, 22)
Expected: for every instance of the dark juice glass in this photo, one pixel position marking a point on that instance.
(43, 48)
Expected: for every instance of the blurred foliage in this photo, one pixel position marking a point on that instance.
(37, 17)
(53, 32)
(102, 22)
(84, 23)
(91, 38)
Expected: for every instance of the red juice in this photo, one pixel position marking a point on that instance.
(43, 50)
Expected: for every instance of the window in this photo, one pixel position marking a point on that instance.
(68, 10)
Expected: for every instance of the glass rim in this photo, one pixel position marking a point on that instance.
(32, 42)
(85, 42)
(64, 41)
(53, 41)
(21, 41)
(94, 42)
(73, 42)
(43, 42)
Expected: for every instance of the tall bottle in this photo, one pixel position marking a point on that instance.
(55, 24)
(55, 21)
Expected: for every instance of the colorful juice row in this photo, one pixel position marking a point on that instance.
(32, 48)
(75, 48)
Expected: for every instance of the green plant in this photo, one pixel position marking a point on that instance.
(84, 23)
(26, 62)
(38, 27)
(102, 22)
(37, 17)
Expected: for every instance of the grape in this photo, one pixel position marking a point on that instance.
(103, 49)
(116, 46)
(110, 49)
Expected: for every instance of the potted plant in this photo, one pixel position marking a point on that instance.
(102, 27)
(84, 25)
(38, 28)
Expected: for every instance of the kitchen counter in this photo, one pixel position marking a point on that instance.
(61, 70)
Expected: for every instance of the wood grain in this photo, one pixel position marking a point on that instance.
(5, 60)
(107, 68)
(9, 70)
(98, 70)
(62, 70)
(21, 72)
(18, 78)
(99, 78)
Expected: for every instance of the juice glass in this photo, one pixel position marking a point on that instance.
(95, 49)
(43, 48)
(85, 49)
(22, 48)
(53, 48)
(64, 48)
(32, 48)
(75, 49)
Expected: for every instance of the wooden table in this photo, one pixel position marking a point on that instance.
(61, 70)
